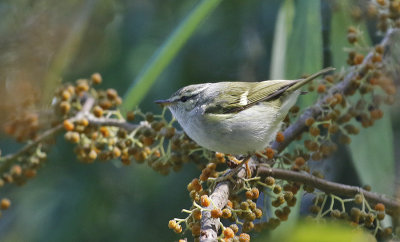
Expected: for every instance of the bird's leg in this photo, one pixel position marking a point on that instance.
(246, 164)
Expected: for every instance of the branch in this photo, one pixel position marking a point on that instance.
(7, 161)
(298, 127)
(328, 186)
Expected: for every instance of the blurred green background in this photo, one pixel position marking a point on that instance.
(44, 42)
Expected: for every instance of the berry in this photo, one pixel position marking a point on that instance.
(5, 203)
(321, 88)
(96, 78)
(205, 201)
(216, 213)
(299, 161)
(270, 153)
(228, 233)
(226, 213)
(98, 111)
(309, 121)
(380, 207)
(269, 181)
(68, 125)
(243, 237)
(280, 137)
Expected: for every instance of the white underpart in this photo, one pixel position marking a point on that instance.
(243, 98)
(240, 133)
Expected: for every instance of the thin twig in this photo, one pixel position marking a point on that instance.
(328, 186)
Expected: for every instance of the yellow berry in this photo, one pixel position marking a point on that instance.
(228, 233)
(5, 203)
(68, 125)
(243, 237)
(205, 201)
(216, 213)
(96, 78)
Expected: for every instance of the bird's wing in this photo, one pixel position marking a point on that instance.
(243, 95)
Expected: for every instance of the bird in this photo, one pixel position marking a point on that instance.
(235, 118)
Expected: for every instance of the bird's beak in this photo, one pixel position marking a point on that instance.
(164, 103)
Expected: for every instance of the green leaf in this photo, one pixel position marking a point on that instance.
(165, 54)
(283, 28)
(372, 149)
(297, 49)
(304, 50)
(323, 232)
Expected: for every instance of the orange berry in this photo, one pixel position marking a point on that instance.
(216, 213)
(379, 49)
(105, 104)
(358, 59)
(299, 161)
(98, 111)
(376, 114)
(205, 201)
(5, 203)
(16, 170)
(84, 122)
(280, 137)
(30, 173)
(270, 153)
(255, 192)
(104, 131)
(116, 152)
(376, 58)
(314, 131)
(111, 94)
(178, 229)
(229, 204)
(68, 125)
(243, 237)
(249, 195)
(96, 78)
(380, 207)
(65, 95)
(321, 88)
(228, 233)
(82, 86)
(130, 116)
(172, 224)
(196, 214)
(329, 78)
(196, 184)
(309, 121)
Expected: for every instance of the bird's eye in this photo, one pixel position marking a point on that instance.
(184, 99)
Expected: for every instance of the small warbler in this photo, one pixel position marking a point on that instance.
(235, 117)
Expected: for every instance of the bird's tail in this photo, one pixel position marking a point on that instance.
(304, 81)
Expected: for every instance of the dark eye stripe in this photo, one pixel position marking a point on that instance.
(184, 98)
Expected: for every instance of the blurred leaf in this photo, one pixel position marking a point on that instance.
(327, 232)
(372, 150)
(165, 54)
(283, 28)
(373, 155)
(67, 51)
(304, 50)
